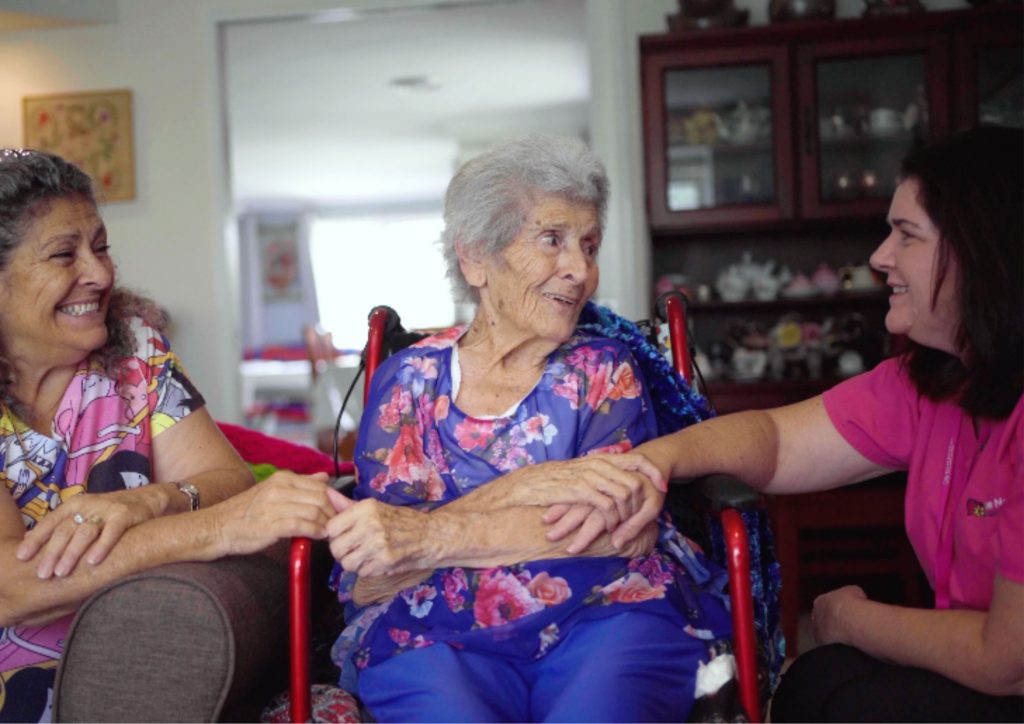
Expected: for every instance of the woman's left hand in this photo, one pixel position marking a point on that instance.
(86, 525)
(831, 610)
(371, 538)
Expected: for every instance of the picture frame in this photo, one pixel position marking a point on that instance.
(92, 130)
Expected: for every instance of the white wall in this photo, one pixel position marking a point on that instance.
(167, 242)
(173, 241)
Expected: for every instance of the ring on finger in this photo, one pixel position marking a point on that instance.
(95, 519)
(78, 518)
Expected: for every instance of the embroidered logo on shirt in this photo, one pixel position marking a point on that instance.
(981, 509)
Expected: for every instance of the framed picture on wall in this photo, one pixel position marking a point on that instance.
(92, 130)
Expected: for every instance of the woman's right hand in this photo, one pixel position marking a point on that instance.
(615, 487)
(285, 505)
(589, 523)
(83, 526)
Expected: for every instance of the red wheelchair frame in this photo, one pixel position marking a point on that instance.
(734, 532)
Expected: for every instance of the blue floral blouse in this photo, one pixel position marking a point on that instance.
(417, 448)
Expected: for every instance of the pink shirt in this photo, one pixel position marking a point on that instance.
(965, 491)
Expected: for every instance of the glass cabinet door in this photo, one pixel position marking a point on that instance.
(713, 143)
(864, 108)
(990, 76)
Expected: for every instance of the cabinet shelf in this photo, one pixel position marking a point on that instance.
(842, 299)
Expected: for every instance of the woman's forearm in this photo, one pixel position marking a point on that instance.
(488, 539)
(27, 599)
(959, 644)
(744, 445)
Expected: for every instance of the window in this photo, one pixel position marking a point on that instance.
(360, 262)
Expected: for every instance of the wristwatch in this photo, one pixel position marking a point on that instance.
(191, 492)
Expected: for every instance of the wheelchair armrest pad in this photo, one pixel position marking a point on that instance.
(181, 642)
(725, 491)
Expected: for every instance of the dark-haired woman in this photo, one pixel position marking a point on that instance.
(109, 461)
(949, 412)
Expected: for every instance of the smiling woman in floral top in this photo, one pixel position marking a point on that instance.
(480, 586)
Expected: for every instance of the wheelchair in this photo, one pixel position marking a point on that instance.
(737, 525)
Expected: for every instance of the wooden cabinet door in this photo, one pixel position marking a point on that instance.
(718, 135)
(988, 69)
(863, 104)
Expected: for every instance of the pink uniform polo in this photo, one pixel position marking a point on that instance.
(965, 491)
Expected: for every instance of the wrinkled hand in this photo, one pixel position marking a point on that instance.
(370, 538)
(88, 525)
(589, 523)
(614, 487)
(831, 610)
(285, 505)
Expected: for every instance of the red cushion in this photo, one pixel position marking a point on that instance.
(256, 447)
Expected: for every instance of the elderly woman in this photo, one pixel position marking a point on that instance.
(110, 461)
(465, 604)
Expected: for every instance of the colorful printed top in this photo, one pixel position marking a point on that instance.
(417, 448)
(101, 441)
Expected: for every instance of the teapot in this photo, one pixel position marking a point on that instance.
(826, 280)
(732, 284)
(743, 124)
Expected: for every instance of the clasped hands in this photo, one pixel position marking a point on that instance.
(618, 494)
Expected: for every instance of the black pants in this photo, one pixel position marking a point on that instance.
(838, 683)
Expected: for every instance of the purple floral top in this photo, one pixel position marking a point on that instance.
(417, 448)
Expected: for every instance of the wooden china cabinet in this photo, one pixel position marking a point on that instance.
(783, 142)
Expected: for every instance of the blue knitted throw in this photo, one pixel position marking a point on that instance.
(676, 406)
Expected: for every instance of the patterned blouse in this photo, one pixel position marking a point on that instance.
(100, 441)
(417, 448)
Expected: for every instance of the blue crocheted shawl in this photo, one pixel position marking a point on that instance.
(677, 405)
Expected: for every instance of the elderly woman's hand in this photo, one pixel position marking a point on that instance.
(84, 525)
(589, 523)
(615, 487)
(371, 538)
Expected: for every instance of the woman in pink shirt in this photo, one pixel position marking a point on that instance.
(949, 412)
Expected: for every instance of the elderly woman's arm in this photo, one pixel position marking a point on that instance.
(393, 547)
(283, 506)
(192, 450)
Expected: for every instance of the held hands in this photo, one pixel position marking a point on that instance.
(619, 494)
(285, 505)
(86, 525)
(371, 538)
(831, 610)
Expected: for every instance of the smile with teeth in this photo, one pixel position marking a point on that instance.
(78, 310)
(897, 289)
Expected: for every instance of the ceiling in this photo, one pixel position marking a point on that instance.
(315, 119)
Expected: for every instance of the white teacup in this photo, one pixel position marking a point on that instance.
(885, 120)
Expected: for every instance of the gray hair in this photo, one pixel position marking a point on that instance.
(490, 197)
(29, 182)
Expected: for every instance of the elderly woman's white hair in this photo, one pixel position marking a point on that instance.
(490, 197)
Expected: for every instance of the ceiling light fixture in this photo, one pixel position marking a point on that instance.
(415, 83)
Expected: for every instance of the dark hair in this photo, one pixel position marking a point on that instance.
(970, 185)
(29, 182)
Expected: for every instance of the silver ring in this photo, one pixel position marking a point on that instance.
(78, 518)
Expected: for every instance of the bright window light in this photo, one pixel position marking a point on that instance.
(359, 263)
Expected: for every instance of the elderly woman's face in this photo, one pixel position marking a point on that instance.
(55, 289)
(540, 282)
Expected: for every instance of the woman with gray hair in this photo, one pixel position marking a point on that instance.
(453, 553)
(109, 460)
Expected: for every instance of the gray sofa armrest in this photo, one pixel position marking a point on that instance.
(182, 642)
